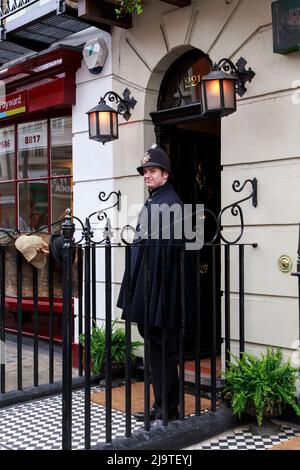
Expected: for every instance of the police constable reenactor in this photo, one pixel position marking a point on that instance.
(156, 169)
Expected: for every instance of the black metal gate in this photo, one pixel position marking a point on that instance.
(87, 248)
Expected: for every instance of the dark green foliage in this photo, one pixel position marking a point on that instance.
(262, 383)
(128, 6)
(117, 346)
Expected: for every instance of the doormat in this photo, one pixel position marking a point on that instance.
(291, 444)
(137, 399)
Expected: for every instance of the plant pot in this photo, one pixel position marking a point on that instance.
(268, 414)
(268, 427)
(118, 369)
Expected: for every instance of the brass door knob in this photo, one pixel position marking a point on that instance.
(285, 263)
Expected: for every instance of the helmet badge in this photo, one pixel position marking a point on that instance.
(145, 159)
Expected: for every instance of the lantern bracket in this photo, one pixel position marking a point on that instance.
(238, 70)
(124, 104)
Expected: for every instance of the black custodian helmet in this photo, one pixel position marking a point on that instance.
(155, 157)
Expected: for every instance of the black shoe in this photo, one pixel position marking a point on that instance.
(171, 417)
(158, 420)
(140, 415)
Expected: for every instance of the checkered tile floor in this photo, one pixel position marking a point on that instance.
(243, 439)
(37, 425)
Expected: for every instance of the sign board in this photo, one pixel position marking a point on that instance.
(32, 140)
(15, 103)
(286, 26)
(7, 140)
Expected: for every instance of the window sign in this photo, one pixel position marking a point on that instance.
(7, 141)
(32, 137)
(32, 149)
(7, 153)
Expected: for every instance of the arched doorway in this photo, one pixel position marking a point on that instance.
(193, 143)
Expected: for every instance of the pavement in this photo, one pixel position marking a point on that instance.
(287, 437)
(27, 362)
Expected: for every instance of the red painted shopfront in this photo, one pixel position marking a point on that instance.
(36, 155)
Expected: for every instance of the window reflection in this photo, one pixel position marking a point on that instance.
(61, 146)
(7, 206)
(61, 199)
(33, 205)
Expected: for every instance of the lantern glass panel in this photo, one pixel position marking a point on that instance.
(93, 124)
(213, 94)
(229, 93)
(115, 125)
(104, 123)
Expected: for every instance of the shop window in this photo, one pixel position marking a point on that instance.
(35, 173)
(61, 196)
(33, 205)
(7, 205)
(7, 153)
(61, 146)
(32, 150)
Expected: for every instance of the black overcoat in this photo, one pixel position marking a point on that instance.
(166, 196)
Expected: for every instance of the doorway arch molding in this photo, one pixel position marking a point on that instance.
(158, 74)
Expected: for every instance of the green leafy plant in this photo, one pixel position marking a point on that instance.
(128, 6)
(262, 384)
(118, 345)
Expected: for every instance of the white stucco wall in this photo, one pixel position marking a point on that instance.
(260, 139)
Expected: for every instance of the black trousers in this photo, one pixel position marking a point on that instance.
(172, 380)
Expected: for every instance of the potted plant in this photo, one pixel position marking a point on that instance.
(261, 386)
(128, 6)
(118, 345)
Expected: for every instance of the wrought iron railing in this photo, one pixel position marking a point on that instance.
(86, 270)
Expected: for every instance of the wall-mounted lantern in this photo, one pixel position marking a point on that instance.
(103, 120)
(219, 87)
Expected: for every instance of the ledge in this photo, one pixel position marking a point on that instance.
(179, 434)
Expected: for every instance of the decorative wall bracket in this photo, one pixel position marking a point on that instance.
(87, 233)
(236, 209)
(124, 105)
(239, 71)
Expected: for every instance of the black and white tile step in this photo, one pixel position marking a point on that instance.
(243, 439)
(37, 425)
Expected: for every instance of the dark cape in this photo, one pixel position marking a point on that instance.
(162, 197)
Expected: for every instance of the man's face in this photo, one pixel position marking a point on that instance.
(35, 220)
(155, 177)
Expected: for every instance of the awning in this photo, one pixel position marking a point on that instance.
(10, 51)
